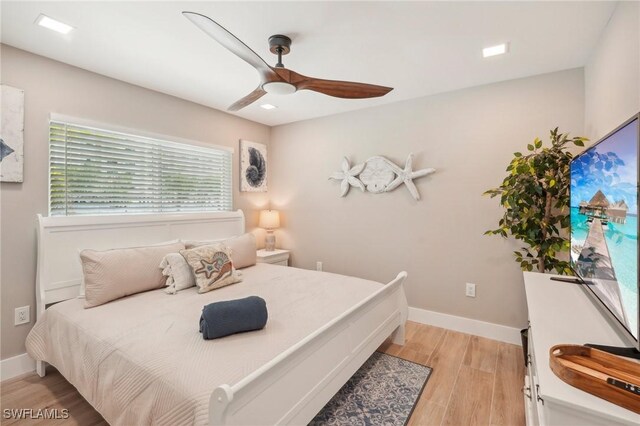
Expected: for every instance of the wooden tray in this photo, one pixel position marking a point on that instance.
(606, 376)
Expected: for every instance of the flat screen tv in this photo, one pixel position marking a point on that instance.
(604, 224)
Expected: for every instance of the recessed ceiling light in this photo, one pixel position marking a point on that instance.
(494, 50)
(268, 106)
(52, 24)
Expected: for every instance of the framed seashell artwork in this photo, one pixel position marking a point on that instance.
(11, 134)
(253, 166)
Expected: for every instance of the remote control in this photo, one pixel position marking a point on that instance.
(629, 387)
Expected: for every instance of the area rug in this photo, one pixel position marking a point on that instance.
(383, 391)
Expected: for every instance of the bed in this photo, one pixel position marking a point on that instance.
(140, 359)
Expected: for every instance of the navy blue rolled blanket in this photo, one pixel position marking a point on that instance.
(221, 319)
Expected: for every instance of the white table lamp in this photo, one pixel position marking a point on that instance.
(269, 220)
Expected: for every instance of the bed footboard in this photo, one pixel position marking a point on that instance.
(294, 386)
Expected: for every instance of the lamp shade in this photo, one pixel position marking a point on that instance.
(269, 219)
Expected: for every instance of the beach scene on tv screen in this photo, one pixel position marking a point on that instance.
(604, 222)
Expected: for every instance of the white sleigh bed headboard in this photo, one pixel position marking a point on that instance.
(61, 238)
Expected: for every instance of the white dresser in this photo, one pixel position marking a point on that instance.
(562, 313)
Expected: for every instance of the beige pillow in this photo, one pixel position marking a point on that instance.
(81, 295)
(178, 273)
(112, 274)
(189, 244)
(243, 249)
(212, 266)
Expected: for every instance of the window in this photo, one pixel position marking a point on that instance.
(96, 171)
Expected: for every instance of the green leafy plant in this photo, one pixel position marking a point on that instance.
(535, 196)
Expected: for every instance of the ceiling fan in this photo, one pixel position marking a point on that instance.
(280, 80)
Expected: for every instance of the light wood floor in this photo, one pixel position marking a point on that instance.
(475, 381)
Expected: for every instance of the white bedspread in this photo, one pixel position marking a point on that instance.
(141, 359)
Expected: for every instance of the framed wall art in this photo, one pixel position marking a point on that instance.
(253, 166)
(11, 134)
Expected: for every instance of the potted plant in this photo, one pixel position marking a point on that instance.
(535, 196)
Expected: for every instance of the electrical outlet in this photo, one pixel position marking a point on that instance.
(470, 291)
(22, 315)
(318, 266)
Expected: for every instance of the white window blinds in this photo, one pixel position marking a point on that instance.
(95, 171)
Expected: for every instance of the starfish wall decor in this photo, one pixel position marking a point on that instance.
(378, 174)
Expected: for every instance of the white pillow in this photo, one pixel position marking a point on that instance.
(178, 273)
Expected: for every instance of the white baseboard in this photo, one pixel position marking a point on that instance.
(466, 325)
(16, 366)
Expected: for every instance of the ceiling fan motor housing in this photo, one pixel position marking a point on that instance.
(279, 45)
(279, 41)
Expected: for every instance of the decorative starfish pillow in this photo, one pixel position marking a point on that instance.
(212, 266)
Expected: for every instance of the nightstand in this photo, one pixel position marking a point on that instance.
(275, 257)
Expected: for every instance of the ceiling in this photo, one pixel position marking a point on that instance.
(419, 48)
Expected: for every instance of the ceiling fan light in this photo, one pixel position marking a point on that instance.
(279, 88)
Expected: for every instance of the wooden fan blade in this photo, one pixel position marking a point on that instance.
(232, 43)
(344, 89)
(248, 100)
(336, 88)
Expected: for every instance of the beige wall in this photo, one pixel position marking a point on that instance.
(55, 87)
(612, 74)
(469, 136)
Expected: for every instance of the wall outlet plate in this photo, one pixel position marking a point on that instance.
(318, 266)
(470, 290)
(22, 315)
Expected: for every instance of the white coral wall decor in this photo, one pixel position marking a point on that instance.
(348, 176)
(379, 174)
